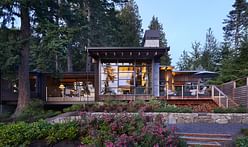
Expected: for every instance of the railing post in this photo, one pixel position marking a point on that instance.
(219, 99)
(247, 81)
(167, 94)
(212, 92)
(197, 89)
(227, 103)
(182, 91)
(46, 93)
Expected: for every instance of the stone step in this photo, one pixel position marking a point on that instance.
(204, 135)
(203, 144)
(206, 139)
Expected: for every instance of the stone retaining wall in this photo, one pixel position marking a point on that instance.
(171, 118)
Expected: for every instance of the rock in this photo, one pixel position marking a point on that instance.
(222, 121)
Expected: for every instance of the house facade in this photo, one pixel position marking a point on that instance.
(120, 73)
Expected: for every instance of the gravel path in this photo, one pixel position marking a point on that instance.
(232, 129)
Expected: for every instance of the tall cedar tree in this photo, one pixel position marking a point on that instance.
(21, 9)
(26, 12)
(156, 25)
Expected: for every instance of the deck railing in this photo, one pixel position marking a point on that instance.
(186, 91)
(62, 97)
(199, 92)
(219, 97)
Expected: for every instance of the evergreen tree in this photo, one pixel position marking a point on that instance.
(155, 25)
(184, 62)
(196, 56)
(210, 57)
(9, 11)
(236, 23)
(29, 15)
(130, 25)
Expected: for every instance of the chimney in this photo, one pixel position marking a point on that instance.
(151, 38)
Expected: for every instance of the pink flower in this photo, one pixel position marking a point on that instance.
(109, 144)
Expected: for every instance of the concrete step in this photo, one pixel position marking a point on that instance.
(205, 139)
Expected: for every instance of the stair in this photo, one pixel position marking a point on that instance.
(205, 140)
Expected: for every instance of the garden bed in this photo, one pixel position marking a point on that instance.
(108, 130)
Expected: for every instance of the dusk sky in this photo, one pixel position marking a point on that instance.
(186, 21)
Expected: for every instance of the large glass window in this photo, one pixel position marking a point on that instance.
(125, 78)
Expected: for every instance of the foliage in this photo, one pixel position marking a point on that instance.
(185, 61)
(129, 30)
(235, 45)
(4, 115)
(125, 130)
(75, 107)
(210, 58)
(230, 110)
(22, 133)
(174, 109)
(131, 106)
(236, 23)
(242, 142)
(156, 25)
(35, 110)
(244, 131)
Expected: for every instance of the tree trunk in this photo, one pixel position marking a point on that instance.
(23, 71)
(69, 59)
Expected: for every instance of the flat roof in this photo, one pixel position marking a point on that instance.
(128, 48)
(127, 52)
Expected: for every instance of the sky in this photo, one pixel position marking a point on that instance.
(185, 21)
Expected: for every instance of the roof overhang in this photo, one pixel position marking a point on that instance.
(126, 52)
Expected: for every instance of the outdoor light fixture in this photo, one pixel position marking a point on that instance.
(62, 87)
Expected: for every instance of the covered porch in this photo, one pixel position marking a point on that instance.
(70, 88)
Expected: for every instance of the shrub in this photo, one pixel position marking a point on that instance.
(242, 142)
(244, 131)
(35, 111)
(126, 130)
(174, 109)
(135, 106)
(230, 110)
(21, 133)
(74, 107)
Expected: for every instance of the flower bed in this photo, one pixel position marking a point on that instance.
(108, 130)
(126, 130)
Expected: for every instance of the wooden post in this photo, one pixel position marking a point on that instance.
(247, 81)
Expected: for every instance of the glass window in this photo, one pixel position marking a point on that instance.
(126, 78)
